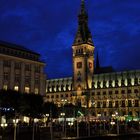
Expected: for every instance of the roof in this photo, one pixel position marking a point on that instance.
(15, 46)
(100, 70)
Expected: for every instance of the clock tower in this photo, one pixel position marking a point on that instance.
(83, 51)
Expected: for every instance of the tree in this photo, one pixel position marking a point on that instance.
(31, 105)
(50, 107)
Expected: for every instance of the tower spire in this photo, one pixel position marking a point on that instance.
(83, 7)
(83, 34)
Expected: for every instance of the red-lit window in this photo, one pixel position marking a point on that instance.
(79, 65)
(90, 65)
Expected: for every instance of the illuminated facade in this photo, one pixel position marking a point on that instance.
(21, 69)
(104, 92)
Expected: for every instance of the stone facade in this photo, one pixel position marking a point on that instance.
(21, 69)
(103, 93)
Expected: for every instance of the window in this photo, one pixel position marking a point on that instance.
(122, 82)
(37, 69)
(36, 90)
(5, 87)
(93, 84)
(110, 104)
(6, 63)
(104, 104)
(48, 89)
(57, 96)
(98, 104)
(129, 82)
(129, 90)
(17, 65)
(27, 67)
(110, 92)
(27, 79)
(98, 84)
(116, 104)
(116, 83)
(116, 91)
(6, 76)
(135, 90)
(57, 88)
(110, 83)
(67, 87)
(66, 95)
(90, 65)
(36, 81)
(104, 84)
(129, 103)
(27, 89)
(93, 93)
(98, 93)
(79, 65)
(123, 103)
(16, 88)
(136, 103)
(52, 96)
(104, 93)
(136, 81)
(17, 78)
(123, 91)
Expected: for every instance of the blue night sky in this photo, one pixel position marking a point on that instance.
(49, 26)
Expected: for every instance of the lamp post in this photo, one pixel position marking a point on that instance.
(3, 125)
(15, 125)
(64, 116)
(77, 128)
(47, 115)
(33, 134)
(116, 114)
(51, 127)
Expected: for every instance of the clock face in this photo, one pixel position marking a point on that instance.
(79, 65)
(90, 65)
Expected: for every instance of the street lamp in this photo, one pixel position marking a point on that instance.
(64, 123)
(77, 128)
(15, 128)
(64, 116)
(117, 117)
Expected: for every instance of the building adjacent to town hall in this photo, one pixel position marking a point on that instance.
(21, 69)
(102, 89)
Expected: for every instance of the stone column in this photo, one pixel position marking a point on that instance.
(12, 75)
(22, 84)
(1, 74)
(32, 78)
(42, 82)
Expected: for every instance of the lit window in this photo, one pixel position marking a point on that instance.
(5, 87)
(16, 88)
(27, 89)
(36, 91)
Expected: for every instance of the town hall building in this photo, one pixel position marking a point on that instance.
(93, 86)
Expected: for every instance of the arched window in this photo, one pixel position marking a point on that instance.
(98, 84)
(116, 83)
(122, 82)
(129, 81)
(136, 81)
(110, 83)
(104, 84)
